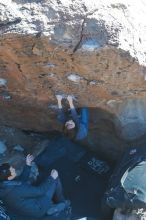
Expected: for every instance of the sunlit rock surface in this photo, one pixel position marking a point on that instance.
(94, 50)
(132, 215)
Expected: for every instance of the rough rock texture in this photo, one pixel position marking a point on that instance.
(94, 50)
(133, 215)
(16, 144)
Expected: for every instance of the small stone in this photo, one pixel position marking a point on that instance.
(3, 147)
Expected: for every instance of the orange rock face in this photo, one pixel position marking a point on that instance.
(72, 58)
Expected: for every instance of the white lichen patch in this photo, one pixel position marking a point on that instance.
(90, 45)
(93, 82)
(51, 106)
(50, 65)
(112, 103)
(3, 82)
(74, 77)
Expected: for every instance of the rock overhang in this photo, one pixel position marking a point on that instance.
(90, 49)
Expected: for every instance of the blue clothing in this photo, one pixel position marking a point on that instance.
(81, 121)
(33, 201)
(24, 177)
(28, 200)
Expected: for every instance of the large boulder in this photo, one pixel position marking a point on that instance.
(94, 50)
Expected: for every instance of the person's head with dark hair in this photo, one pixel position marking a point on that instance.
(7, 172)
(70, 124)
(70, 133)
(4, 171)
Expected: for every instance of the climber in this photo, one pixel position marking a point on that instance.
(75, 126)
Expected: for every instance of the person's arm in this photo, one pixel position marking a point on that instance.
(73, 110)
(61, 116)
(25, 174)
(85, 117)
(30, 191)
(27, 168)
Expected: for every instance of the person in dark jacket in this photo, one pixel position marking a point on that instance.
(75, 127)
(28, 200)
(24, 177)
